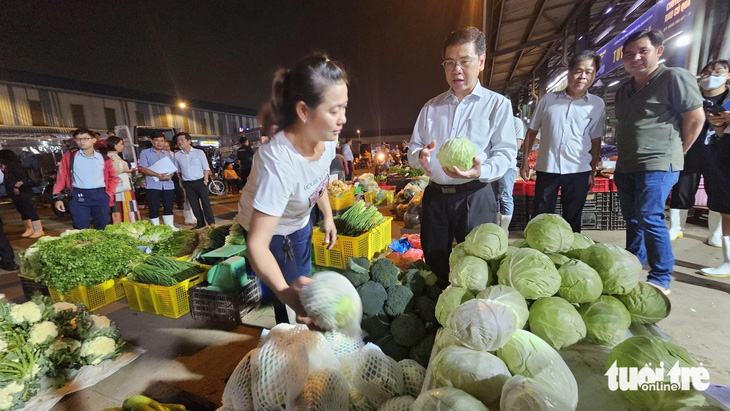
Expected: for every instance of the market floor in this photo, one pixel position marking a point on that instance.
(197, 357)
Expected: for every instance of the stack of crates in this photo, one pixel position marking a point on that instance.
(524, 198)
(617, 220)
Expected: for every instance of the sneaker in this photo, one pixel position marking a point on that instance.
(666, 291)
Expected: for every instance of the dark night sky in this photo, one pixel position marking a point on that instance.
(226, 51)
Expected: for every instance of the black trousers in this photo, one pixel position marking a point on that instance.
(155, 197)
(197, 193)
(178, 191)
(23, 202)
(574, 189)
(7, 256)
(349, 171)
(449, 216)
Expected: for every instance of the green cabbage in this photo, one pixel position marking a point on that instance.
(558, 259)
(523, 393)
(646, 304)
(457, 254)
(487, 241)
(451, 298)
(521, 243)
(471, 273)
(549, 233)
(482, 324)
(530, 272)
(618, 268)
(478, 373)
(580, 243)
(333, 303)
(447, 399)
(445, 337)
(557, 322)
(457, 152)
(579, 282)
(511, 297)
(606, 319)
(640, 350)
(528, 355)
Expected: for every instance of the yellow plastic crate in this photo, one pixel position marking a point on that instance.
(93, 297)
(365, 245)
(387, 199)
(172, 302)
(342, 201)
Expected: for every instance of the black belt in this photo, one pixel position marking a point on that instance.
(458, 188)
(192, 181)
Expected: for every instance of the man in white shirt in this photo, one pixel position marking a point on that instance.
(457, 201)
(571, 124)
(192, 164)
(347, 152)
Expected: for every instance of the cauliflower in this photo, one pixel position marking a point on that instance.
(3, 345)
(27, 312)
(7, 400)
(63, 344)
(63, 306)
(98, 349)
(100, 322)
(42, 333)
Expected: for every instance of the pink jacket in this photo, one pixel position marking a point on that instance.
(63, 179)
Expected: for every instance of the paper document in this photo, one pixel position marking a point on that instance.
(163, 166)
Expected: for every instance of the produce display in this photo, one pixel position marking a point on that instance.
(299, 369)
(333, 303)
(163, 271)
(406, 171)
(358, 219)
(562, 300)
(40, 339)
(404, 197)
(337, 187)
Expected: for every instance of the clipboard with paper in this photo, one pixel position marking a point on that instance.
(163, 166)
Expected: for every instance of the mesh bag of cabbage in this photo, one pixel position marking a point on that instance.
(342, 344)
(373, 375)
(402, 403)
(279, 371)
(325, 389)
(237, 394)
(413, 376)
(333, 303)
(318, 349)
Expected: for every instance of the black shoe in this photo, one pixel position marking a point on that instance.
(11, 266)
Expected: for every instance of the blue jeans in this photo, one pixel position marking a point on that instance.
(86, 204)
(642, 196)
(293, 253)
(505, 187)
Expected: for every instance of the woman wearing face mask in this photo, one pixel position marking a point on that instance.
(717, 139)
(290, 175)
(713, 86)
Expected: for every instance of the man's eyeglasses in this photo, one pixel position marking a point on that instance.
(450, 64)
(82, 138)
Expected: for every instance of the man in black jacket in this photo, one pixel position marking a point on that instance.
(244, 157)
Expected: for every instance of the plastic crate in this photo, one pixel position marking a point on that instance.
(370, 197)
(94, 296)
(612, 185)
(172, 302)
(365, 245)
(224, 306)
(397, 181)
(615, 203)
(524, 188)
(616, 221)
(32, 288)
(595, 220)
(601, 185)
(344, 200)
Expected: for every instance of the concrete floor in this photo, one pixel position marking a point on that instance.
(197, 357)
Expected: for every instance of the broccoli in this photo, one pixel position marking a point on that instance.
(426, 309)
(433, 292)
(413, 280)
(421, 352)
(384, 272)
(357, 271)
(392, 349)
(398, 297)
(373, 297)
(407, 329)
(359, 264)
(376, 326)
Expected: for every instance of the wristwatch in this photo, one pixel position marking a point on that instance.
(59, 197)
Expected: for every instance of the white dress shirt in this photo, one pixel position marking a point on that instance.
(484, 117)
(192, 165)
(88, 172)
(567, 128)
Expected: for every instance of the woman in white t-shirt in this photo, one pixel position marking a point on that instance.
(289, 176)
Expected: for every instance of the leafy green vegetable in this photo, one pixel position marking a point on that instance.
(447, 399)
(530, 272)
(482, 324)
(619, 269)
(478, 373)
(580, 243)
(523, 393)
(451, 298)
(457, 152)
(556, 321)
(549, 233)
(163, 271)
(358, 220)
(606, 320)
(510, 297)
(471, 273)
(487, 241)
(646, 304)
(182, 242)
(579, 283)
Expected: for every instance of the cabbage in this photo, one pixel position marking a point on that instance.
(558, 259)
(447, 399)
(618, 268)
(580, 243)
(549, 233)
(487, 241)
(471, 273)
(640, 350)
(606, 319)
(478, 373)
(457, 254)
(510, 297)
(457, 152)
(482, 324)
(521, 243)
(557, 322)
(449, 299)
(528, 355)
(333, 303)
(646, 304)
(579, 283)
(523, 393)
(445, 337)
(531, 273)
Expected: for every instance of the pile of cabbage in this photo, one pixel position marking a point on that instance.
(295, 368)
(557, 284)
(40, 338)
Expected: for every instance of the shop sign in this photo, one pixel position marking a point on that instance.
(669, 16)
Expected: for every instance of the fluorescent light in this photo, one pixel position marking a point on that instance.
(684, 40)
(633, 8)
(608, 10)
(558, 80)
(531, 102)
(604, 33)
(613, 83)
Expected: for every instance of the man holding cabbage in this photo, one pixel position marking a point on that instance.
(464, 139)
(571, 124)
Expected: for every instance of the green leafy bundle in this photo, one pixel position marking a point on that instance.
(358, 219)
(162, 271)
(182, 242)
